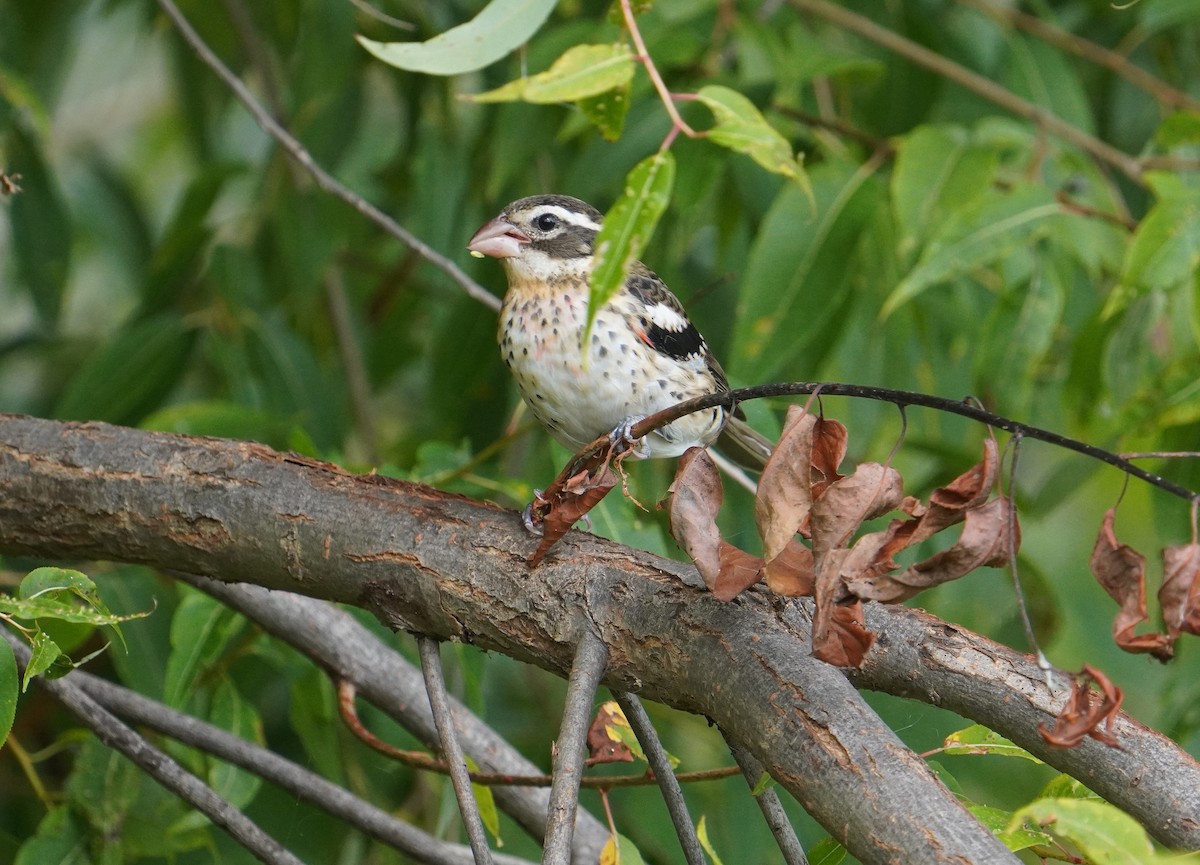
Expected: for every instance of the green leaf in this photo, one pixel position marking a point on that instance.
(42, 580)
(702, 837)
(485, 801)
(939, 169)
(1165, 249)
(41, 225)
(230, 711)
(608, 110)
(1104, 834)
(200, 632)
(978, 739)
(799, 277)
(764, 783)
(999, 821)
(8, 689)
(827, 851)
(130, 373)
(628, 226)
(582, 71)
(502, 26)
(742, 128)
(986, 231)
(45, 653)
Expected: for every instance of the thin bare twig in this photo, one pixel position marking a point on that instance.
(323, 178)
(435, 685)
(668, 784)
(591, 659)
(973, 81)
(768, 802)
(296, 780)
(158, 765)
(1088, 50)
(643, 55)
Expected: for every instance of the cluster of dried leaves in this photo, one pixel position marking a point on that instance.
(1121, 570)
(801, 494)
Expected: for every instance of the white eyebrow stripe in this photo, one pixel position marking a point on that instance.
(571, 216)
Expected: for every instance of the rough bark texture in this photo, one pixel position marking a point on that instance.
(443, 565)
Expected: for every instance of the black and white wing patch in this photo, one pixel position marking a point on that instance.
(666, 327)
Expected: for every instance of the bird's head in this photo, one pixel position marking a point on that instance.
(540, 236)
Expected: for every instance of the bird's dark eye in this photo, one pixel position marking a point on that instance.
(546, 222)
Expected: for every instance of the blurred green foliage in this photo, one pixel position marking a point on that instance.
(166, 265)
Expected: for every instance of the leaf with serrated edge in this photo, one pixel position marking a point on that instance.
(627, 228)
(582, 71)
(501, 27)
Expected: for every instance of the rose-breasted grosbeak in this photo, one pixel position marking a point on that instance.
(643, 354)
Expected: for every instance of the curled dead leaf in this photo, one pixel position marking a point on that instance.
(1083, 715)
(1179, 596)
(1121, 571)
(603, 742)
(784, 496)
(566, 502)
(873, 489)
(791, 572)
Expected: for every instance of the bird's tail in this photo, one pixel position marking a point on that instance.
(744, 445)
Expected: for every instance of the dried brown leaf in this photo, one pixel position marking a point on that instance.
(784, 495)
(844, 639)
(565, 503)
(1121, 571)
(791, 572)
(1179, 595)
(972, 488)
(848, 502)
(983, 543)
(829, 440)
(603, 743)
(1082, 715)
(738, 570)
(694, 499)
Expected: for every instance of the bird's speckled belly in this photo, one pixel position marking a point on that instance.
(579, 399)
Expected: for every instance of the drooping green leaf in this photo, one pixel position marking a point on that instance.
(8, 689)
(799, 276)
(41, 225)
(1165, 249)
(200, 632)
(1103, 833)
(582, 71)
(939, 169)
(741, 127)
(827, 851)
(996, 224)
(502, 26)
(628, 226)
(702, 837)
(485, 801)
(231, 711)
(44, 653)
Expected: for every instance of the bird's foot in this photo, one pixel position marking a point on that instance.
(532, 524)
(623, 432)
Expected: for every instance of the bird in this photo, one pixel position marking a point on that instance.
(642, 354)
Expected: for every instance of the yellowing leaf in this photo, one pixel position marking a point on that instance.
(1104, 834)
(502, 26)
(702, 837)
(581, 72)
(978, 739)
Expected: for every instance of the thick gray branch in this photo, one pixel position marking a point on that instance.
(446, 566)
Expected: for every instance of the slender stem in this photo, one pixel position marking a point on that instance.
(771, 807)
(1088, 50)
(903, 397)
(975, 82)
(660, 87)
(668, 784)
(439, 703)
(591, 659)
(323, 178)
